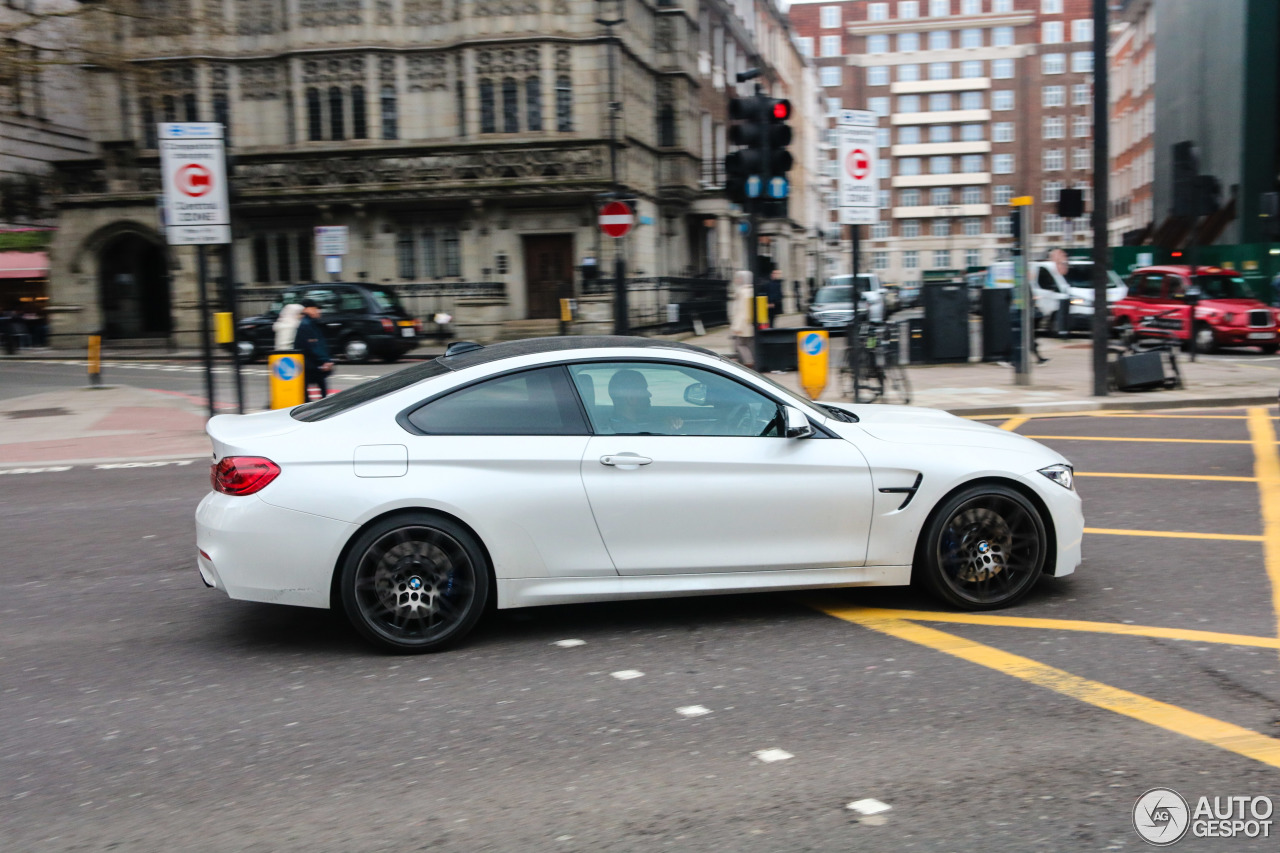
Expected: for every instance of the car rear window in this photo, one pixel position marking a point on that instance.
(386, 300)
(336, 404)
(834, 293)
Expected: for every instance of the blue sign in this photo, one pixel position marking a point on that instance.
(286, 368)
(744, 227)
(778, 187)
(753, 186)
(813, 343)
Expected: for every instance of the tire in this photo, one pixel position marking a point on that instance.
(983, 548)
(1121, 329)
(246, 352)
(414, 583)
(1203, 340)
(1269, 349)
(355, 350)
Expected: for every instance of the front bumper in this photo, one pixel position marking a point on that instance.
(1232, 336)
(259, 552)
(1067, 515)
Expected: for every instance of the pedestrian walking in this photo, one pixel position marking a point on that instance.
(286, 326)
(773, 292)
(742, 328)
(316, 361)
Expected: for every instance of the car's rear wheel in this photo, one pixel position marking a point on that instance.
(355, 350)
(983, 548)
(1203, 339)
(415, 583)
(246, 352)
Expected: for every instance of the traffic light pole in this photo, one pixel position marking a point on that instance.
(1101, 199)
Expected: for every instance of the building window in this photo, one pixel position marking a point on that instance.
(879, 106)
(1080, 126)
(1053, 63)
(884, 168)
(1051, 32)
(1054, 159)
(1002, 69)
(971, 68)
(885, 199)
(1082, 29)
(971, 132)
(939, 70)
(1002, 164)
(830, 45)
(337, 122)
(1081, 95)
(881, 231)
(359, 114)
(222, 114)
(1003, 226)
(1082, 62)
(488, 115)
(970, 100)
(666, 126)
(971, 37)
(909, 198)
(829, 75)
(942, 259)
(405, 266)
(908, 73)
(1052, 223)
(908, 42)
(878, 44)
(1051, 7)
(908, 9)
(880, 260)
(911, 260)
(510, 106)
(1001, 194)
(1052, 191)
(831, 17)
(939, 8)
(564, 105)
(940, 165)
(1054, 96)
(148, 123)
(971, 163)
(909, 166)
(882, 137)
(1001, 36)
(1080, 158)
(971, 195)
(533, 102)
(833, 106)
(973, 257)
(877, 75)
(908, 135)
(1002, 131)
(908, 103)
(941, 228)
(1001, 5)
(1002, 99)
(939, 196)
(939, 102)
(806, 45)
(1055, 127)
(875, 12)
(911, 228)
(315, 122)
(282, 257)
(940, 40)
(940, 133)
(970, 7)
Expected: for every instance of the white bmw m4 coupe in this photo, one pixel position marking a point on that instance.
(574, 469)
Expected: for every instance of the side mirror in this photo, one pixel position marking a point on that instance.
(797, 422)
(696, 394)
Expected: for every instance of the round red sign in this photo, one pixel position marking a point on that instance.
(616, 218)
(858, 164)
(194, 180)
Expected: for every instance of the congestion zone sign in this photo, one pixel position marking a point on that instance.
(194, 180)
(858, 164)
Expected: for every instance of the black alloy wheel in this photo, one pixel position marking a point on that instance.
(983, 548)
(415, 583)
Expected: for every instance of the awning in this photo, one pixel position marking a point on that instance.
(24, 265)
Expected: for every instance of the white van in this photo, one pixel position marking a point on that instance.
(1050, 290)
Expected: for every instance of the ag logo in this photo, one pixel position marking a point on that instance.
(1161, 816)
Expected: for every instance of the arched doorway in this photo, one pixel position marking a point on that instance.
(134, 284)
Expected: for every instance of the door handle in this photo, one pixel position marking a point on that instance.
(624, 460)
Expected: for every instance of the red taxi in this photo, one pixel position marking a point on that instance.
(1226, 315)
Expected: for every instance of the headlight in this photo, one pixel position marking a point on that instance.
(1079, 302)
(1063, 475)
(1228, 317)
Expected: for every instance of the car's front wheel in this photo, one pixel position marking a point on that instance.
(415, 583)
(983, 548)
(355, 350)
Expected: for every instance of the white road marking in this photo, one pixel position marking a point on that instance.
(768, 756)
(568, 644)
(868, 807)
(693, 711)
(50, 469)
(627, 674)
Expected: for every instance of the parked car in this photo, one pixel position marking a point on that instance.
(833, 305)
(574, 469)
(360, 321)
(1226, 314)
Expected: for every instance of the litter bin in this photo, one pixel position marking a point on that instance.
(776, 348)
(946, 321)
(997, 333)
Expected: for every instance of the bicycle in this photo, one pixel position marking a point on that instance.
(872, 371)
(1151, 336)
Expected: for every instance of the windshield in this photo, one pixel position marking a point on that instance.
(334, 404)
(1222, 287)
(1081, 275)
(386, 300)
(834, 293)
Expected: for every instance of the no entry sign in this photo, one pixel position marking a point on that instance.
(194, 173)
(616, 219)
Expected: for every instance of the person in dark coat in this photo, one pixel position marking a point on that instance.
(773, 291)
(316, 361)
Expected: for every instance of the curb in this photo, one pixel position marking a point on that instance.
(1113, 404)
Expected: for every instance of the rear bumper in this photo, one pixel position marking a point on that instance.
(389, 345)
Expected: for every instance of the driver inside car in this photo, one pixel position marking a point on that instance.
(633, 407)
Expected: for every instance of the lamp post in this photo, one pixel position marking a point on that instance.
(610, 14)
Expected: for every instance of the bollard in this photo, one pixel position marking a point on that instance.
(95, 360)
(288, 382)
(813, 353)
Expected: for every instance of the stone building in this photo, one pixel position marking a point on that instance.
(464, 144)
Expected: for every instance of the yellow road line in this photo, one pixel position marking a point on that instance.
(1266, 465)
(1013, 423)
(1213, 477)
(1223, 735)
(1176, 534)
(1114, 413)
(1126, 438)
(1069, 625)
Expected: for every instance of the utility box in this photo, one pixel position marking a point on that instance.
(997, 333)
(776, 348)
(946, 321)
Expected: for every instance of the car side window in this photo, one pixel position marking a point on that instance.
(653, 398)
(325, 298)
(1151, 286)
(533, 402)
(351, 302)
(1175, 286)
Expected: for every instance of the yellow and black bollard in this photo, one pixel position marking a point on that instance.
(288, 381)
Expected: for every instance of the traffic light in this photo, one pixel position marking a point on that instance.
(761, 132)
(1071, 203)
(1015, 226)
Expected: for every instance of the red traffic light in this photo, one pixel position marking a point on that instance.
(782, 110)
(1175, 254)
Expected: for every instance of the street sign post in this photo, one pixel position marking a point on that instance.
(194, 175)
(859, 190)
(616, 219)
(331, 244)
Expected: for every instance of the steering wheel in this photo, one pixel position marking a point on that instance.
(740, 421)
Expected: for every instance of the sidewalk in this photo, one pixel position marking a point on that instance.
(124, 424)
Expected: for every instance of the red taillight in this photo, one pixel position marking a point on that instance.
(388, 325)
(242, 475)
(417, 326)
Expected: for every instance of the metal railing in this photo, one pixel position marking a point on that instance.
(422, 300)
(666, 304)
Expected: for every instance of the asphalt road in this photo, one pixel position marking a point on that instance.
(144, 712)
